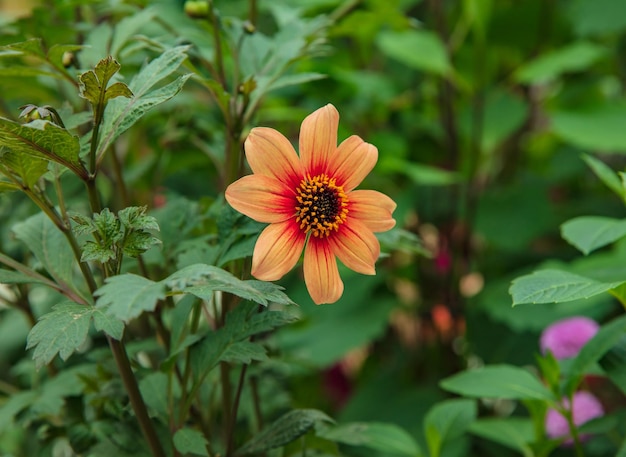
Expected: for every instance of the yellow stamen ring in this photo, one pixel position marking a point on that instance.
(321, 205)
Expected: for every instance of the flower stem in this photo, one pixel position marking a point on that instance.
(136, 400)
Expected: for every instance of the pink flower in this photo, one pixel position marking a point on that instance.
(566, 337)
(585, 407)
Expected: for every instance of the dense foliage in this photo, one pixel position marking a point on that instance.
(129, 322)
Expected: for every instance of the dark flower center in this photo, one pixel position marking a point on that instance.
(322, 205)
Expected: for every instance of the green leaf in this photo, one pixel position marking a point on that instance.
(108, 324)
(574, 57)
(8, 186)
(61, 331)
(244, 352)
(92, 251)
(597, 17)
(418, 49)
(284, 430)
(606, 175)
(189, 440)
(16, 277)
(32, 47)
(420, 174)
(512, 432)
(43, 140)
(588, 233)
(606, 338)
(596, 128)
(122, 114)
(28, 168)
(134, 217)
(447, 421)
(49, 245)
(388, 439)
(203, 280)
(128, 295)
(555, 286)
(497, 381)
(154, 389)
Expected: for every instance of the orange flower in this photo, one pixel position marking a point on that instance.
(310, 200)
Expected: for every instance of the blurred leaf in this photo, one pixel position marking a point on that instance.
(43, 140)
(607, 337)
(403, 240)
(418, 49)
(32, 47)
(447, 421)
(49, 245)
(14, 405)
(613, 363)
(596, 128)
(606, 175)
(128, 295)
(597, 17)
(285, 429)
(574, 57)
(189, 440)
(479, 13)
(423, 175)
(497, 381)
(8, 186)
(122, 114)
(28, 168)
(16, 277)
(588, 233)
(244, 352)
(127, 27)
(512, 432)
(555, 286)
(389, 439)
(154, 389)
(61, 331)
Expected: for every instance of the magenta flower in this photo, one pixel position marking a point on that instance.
(585, 407)
(566, 337)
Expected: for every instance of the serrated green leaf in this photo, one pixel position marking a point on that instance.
(497, 381)
(388, 439)
(189, 440)
(92, 251)
(134, 217)
(203, 280)
(136, 243)
(128, 295)
(49, 245)
(83, 225)
(90, 87)
(104, 322)
(555, 286)
(244, 352)
(28, 168)
(284, 430)
(588, 233)
(417, 49)
(122, 114)
(108, 226)
(574, 57)
(61, 331)
(513, 432)
(106, 69)
(607, 337)
(606, 175)
(447, 421)
(43, 140)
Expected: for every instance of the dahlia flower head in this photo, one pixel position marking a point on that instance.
(310, 203)
(584, 408)
(566, 337)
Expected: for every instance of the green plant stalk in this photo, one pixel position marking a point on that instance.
(134, 395)
(230, 426)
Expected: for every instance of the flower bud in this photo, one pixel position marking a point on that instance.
(197, 9)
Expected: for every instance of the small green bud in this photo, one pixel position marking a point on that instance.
(249, 28)
(197, 9)
(32, 112)
(68, 59)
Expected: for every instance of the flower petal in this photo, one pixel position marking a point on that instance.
(318, 139)
(262, 198)
(372, 208)
(356, 246)
(352, 162)
(269, 153)
(277, 250)
(321, 274)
